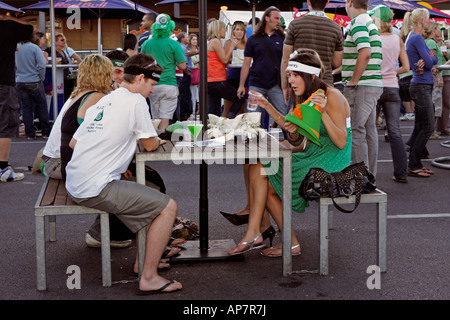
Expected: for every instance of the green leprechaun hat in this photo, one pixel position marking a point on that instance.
(307, 116)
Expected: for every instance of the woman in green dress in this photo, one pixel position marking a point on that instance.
(265, 189)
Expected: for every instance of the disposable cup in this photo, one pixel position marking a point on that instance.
(253, 99)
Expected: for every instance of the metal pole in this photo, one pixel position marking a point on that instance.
(99, 35)
(202, 10)
(253, 16)
(53, 53)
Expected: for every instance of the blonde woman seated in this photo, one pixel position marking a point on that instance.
(334, 155)
(93, 82)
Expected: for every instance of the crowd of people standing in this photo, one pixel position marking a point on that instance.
(158, 75)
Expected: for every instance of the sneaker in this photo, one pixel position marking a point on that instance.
(8, 174)
(94, 243)
(31, 138)
(410, 116)
(404, 117)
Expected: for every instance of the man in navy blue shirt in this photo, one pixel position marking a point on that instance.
(265, 47)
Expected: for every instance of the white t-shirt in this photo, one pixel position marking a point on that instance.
(106, 142)
(53, 145)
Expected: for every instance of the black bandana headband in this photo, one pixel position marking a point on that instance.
(147, 73)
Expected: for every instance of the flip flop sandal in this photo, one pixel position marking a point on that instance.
(173, 242)
(167, 253)
(140, 292)
(400, 179)
(426, 170)
(418, 173)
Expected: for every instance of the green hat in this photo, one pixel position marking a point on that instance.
(163, 21)
(382, 12)
(307, 116)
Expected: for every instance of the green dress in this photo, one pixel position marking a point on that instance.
(328, 157)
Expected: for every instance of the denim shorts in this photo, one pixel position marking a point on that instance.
(9, 112)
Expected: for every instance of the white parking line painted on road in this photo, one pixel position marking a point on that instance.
(28, 142)
(387, 161)
(420, 216)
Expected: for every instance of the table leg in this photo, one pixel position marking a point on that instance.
(142, 234)
(323, 238)
(382, 236)
(287, 216)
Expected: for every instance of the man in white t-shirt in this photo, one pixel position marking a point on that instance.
(104, 145)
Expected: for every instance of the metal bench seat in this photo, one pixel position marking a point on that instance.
(54, 200)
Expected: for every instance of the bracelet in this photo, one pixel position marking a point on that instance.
(294, 140)
(304, 143)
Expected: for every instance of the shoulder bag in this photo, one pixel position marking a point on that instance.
(352, 180)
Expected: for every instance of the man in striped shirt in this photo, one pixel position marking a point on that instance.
(361, 74)
(318, 32)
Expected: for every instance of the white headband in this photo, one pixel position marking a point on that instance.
(300, 67)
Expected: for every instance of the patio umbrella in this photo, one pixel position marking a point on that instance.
(7, 7)
(96, 9)
(90, 9)
(402, 6)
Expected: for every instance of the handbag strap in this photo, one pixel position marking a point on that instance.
(358, 190)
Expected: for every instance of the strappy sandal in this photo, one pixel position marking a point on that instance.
(426, 170)
(419, 173)
(281, 254)
(251, 246)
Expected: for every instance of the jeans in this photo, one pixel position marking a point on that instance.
(276, 97)
(443, 121)
(30, 92)
(184, 98)
(223, 90)
(423, 123)
(363, 101)
(391, 103)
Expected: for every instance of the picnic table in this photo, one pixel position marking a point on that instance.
(218, 151)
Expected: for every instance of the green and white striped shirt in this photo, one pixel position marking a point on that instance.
(363, 33)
